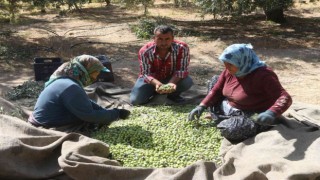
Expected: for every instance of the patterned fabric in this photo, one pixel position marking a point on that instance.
(175, 63)
(242, 56)
(240, 128)
(78, 69)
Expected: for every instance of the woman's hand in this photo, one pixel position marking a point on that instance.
(266, 118)
(196, 112)
(124, 113)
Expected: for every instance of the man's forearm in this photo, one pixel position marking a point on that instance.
(174, 79)
(155, 82)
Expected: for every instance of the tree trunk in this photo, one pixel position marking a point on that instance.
(12, 10)
(145, 9)
(275, 15)
(76, 5)
(176, 3)
(108, 2)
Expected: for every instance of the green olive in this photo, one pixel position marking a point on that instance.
(160, 136)
(165, 87)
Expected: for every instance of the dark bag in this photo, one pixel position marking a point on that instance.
(238, 128)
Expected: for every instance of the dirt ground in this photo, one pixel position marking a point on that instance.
(292, 49)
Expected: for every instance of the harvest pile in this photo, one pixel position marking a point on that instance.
(160, 136)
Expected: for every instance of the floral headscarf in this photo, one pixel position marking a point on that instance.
(79, 69)
(242, 56)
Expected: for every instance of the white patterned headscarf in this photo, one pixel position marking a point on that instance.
(243, 57)
(78, 69)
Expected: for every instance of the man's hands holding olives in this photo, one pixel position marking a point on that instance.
(166, 88)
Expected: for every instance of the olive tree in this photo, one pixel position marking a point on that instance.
(11, 8)
(131, 4)
(108, 2)
(77, 4)
(43, 4)
(273, 9)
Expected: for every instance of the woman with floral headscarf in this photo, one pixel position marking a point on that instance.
(247, 97)
(64, 103)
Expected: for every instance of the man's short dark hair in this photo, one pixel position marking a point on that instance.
(163, 29)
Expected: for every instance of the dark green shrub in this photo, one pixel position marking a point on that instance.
(29, 89)
(144, 28)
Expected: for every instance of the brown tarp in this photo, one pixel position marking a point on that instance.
(287, 151)
(27, 152)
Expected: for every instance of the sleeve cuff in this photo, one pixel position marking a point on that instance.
(148, 79)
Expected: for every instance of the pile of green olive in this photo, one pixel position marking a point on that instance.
(161, 136)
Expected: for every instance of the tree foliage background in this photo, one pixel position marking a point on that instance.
(273, 9)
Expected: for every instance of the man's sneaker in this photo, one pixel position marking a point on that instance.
(176, 98)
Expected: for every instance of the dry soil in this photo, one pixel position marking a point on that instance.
(291, 49)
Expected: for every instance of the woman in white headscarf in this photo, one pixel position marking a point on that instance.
(246, 87)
